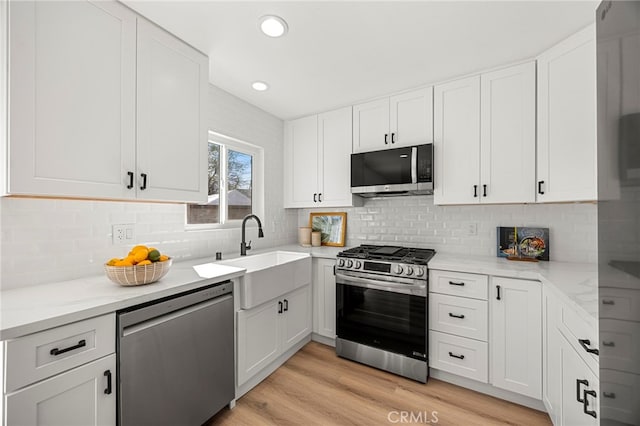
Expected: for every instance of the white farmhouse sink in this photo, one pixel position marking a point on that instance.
(270, 275)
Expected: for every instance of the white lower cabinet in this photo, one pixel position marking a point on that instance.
(488, 329)
(516, 336)
(83, 396)
(580, 394)
(269, 330)
(324, 298)
(569, 376)
(62, 376)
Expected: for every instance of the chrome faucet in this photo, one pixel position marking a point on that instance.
(244, 246)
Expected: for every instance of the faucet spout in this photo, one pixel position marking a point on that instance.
(243, 245)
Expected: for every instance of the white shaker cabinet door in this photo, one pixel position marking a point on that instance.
(566, 150)
(296, 316)
(72, 98)
(324, 297)
(457, 142)
(301, 162)
(371, 125)
(172, 130)
(508, 135)
(258, 339)
(334, 137)
(411, 118)
(83, 396)
(516, 336)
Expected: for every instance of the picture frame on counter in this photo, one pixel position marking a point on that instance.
(523, 243)
(332, 227)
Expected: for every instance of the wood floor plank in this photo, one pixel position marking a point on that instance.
(315, 387)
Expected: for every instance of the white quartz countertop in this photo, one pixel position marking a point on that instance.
(31, 309)
(576, 282)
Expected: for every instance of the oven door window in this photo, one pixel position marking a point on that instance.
(389, 321)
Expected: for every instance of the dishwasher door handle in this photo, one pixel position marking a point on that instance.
(160, 319)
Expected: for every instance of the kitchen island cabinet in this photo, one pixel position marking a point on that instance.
(103, 104)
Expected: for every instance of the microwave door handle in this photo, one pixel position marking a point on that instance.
(414, 164)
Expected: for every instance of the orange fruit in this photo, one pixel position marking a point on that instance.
(139, 254)
(124, 262)
(163, 258)
(113, 261)
(144, 262)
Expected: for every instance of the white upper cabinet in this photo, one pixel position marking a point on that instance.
(318, 161)
(485, 138)
(456, 143)
(72, 98)
(400, 120)
(566, 157)
(508, 135)
(98, 99)
(172, 129)
(301, 162)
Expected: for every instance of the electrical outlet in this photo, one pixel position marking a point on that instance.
(123, 234)
(472, 229)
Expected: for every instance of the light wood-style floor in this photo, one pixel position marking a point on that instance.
(315, 387)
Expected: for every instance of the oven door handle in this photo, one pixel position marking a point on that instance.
(415, 289)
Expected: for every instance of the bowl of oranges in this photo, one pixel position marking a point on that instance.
(143, 265)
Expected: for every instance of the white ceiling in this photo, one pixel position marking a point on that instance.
(338, 53)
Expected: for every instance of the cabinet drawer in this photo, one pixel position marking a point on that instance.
(458, 315)
(619, 345)
(617, 394)
(577, 328)
(40, 355)
(459, 355)
(620, 304)
(459, 284)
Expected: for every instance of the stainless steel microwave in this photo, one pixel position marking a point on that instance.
(398, 171)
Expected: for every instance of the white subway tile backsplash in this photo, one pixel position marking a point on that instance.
(416, 221)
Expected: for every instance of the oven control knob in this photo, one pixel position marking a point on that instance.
(419, 272)
(349, 263)
(358, 264)
(398, 269)
(409, 270)
(341, 262)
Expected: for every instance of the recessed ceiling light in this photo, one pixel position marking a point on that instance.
(260, 86)
(273, 26)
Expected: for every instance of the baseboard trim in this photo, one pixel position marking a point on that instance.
(487, 389)
(328, 341)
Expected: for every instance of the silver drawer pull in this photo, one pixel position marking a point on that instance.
(611, 395)
(56, 351)
(608, 302)
(609, 344)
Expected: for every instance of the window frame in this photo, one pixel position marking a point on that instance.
(257, 181)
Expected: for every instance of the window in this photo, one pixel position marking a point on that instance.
(234, 178)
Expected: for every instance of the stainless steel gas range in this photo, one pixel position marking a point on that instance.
(381, 311)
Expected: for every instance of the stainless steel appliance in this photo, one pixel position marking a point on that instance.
(176, 358)
(618, 73)
(381, 311)
(398, 171)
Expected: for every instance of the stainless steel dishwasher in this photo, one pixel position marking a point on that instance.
(176, 358)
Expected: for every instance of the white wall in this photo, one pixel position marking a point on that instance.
(416, 221)
(49, 240)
